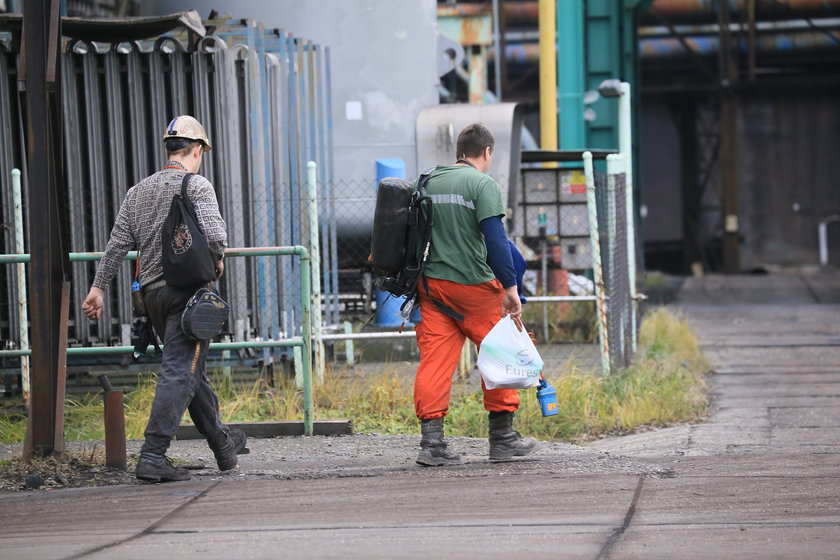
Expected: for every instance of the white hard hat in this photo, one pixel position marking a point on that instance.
(187, 127)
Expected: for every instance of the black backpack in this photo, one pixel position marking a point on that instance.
(187, 262)
(402, 237)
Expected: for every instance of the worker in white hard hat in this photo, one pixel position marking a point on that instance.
(186, 127)
(182, 383)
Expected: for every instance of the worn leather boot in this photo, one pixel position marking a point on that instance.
(433, 451)
(157, 468)
(504, 441)
(227, 446)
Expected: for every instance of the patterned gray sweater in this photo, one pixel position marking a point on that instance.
(140, 220)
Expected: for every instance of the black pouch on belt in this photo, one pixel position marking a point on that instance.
(137, 298)
(145, 338)
(204, 316)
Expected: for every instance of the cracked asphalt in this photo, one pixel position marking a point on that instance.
(758, 479)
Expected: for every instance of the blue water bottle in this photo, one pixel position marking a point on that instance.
(547, 397)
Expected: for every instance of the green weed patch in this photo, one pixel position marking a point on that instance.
(665, 385)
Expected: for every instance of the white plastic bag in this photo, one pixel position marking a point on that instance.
(508, 359)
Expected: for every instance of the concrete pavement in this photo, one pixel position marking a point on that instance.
(759, 479)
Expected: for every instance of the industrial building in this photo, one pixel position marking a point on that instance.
(735, 105)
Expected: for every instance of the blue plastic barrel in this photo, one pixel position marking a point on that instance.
(387, 306)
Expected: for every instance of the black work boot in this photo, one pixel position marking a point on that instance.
(433, 451)
(157, 468)
(504, 441)
(227, 446)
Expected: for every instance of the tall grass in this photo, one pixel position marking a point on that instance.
(665, 385)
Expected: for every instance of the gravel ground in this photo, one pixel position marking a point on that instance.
(358, 455)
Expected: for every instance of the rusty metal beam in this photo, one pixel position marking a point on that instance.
(751, 39)
(49, 266)
(728, 66)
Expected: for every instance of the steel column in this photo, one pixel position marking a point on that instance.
(49, 285)
(729, 144)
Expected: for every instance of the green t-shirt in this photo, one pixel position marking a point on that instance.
(462, 196)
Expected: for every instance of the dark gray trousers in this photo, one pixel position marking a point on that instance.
(182, 384)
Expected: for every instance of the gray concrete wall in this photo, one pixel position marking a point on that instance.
(660, 168)
(384, 68)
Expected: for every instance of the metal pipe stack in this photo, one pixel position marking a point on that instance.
(264, 97)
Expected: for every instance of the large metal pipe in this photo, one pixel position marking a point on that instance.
(779, 43)
(670, 47)
(681, 11)
(522, 14)
(762, 27)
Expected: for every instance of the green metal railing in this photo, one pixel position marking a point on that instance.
(304, 341)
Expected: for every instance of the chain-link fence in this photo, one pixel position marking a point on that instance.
(264, 98)
(554, 240)
(613, 228)
(553, 217)
(551, 225)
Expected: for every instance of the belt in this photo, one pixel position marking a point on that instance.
(154, 285)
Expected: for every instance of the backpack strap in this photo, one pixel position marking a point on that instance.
(442, 307)
(184, 182)
(427, 242)
(187, 202)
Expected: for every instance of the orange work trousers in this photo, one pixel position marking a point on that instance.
(441, 337)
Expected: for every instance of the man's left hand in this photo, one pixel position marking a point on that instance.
(512, 304)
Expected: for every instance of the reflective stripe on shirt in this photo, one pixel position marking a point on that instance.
(452, 199)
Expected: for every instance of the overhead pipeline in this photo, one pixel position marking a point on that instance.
(797, 42)
(526, 14)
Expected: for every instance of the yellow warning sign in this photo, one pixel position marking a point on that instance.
(574, 182)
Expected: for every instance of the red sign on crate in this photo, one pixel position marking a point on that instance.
(574, 183)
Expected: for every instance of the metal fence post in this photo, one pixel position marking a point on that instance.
(315, 256)
(304, 342)
(822, 233)
(23, 322)
(306, 334)
(615, 166)
(595, 242)
(625, 146)
(349, 348)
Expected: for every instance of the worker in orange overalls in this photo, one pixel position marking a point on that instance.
(468, 285)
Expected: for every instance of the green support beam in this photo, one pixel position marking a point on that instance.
(570, 74)
(603, 62)
(596, 40)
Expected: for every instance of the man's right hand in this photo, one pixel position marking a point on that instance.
(220, 268)
(93, 304)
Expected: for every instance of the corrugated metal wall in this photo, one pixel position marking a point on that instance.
(790, 174)
(789, 171)
(263, 96)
